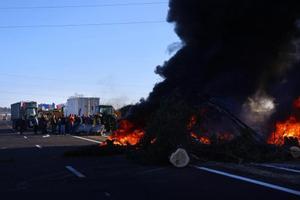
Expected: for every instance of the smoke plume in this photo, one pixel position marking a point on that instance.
(231, 50)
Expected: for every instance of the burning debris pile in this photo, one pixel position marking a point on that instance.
(126, 134)
(287, 132)
(244, 55)
(206, 131)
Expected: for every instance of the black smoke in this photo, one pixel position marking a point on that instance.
(231, 49)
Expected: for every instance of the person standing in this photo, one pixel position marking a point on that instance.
(67, 124)
(77, 123)
(62, 123)
(71, 122)
(43, 125)
(53, 124)
(35, 125)
(59, 125)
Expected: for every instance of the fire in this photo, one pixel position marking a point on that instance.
(192, 122)
(127, 134)
(221, 137)
(202, 139)
(287, 129)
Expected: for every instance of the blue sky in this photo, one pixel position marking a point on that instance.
(115, 63)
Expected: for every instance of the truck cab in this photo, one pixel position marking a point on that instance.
(24, 111)
(106, 110)
(108, 117)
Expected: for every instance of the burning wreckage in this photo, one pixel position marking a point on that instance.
(209, 131)
(238, 67)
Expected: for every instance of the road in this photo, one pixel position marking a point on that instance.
(33, 166)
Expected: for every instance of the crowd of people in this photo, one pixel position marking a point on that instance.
(65, 125)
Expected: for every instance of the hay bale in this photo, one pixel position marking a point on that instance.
(295, 151)
(180, 158)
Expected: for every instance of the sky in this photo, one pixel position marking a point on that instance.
(110, 60)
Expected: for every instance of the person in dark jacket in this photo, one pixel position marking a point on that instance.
(53, 124)
(35, 125)
(62, 125)
(43, 124)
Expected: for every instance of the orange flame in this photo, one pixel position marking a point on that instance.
(192, 122)
(127, 134)
(287, 129)
(202, 139)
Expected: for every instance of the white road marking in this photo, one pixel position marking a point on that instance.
(249, 180)
(152, 170)
(74, 171)
(86, 139)
(277, 167)
(46, 136)
(38, 146)
(25, 137)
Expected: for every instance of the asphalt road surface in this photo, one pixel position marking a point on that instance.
(33, 167)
